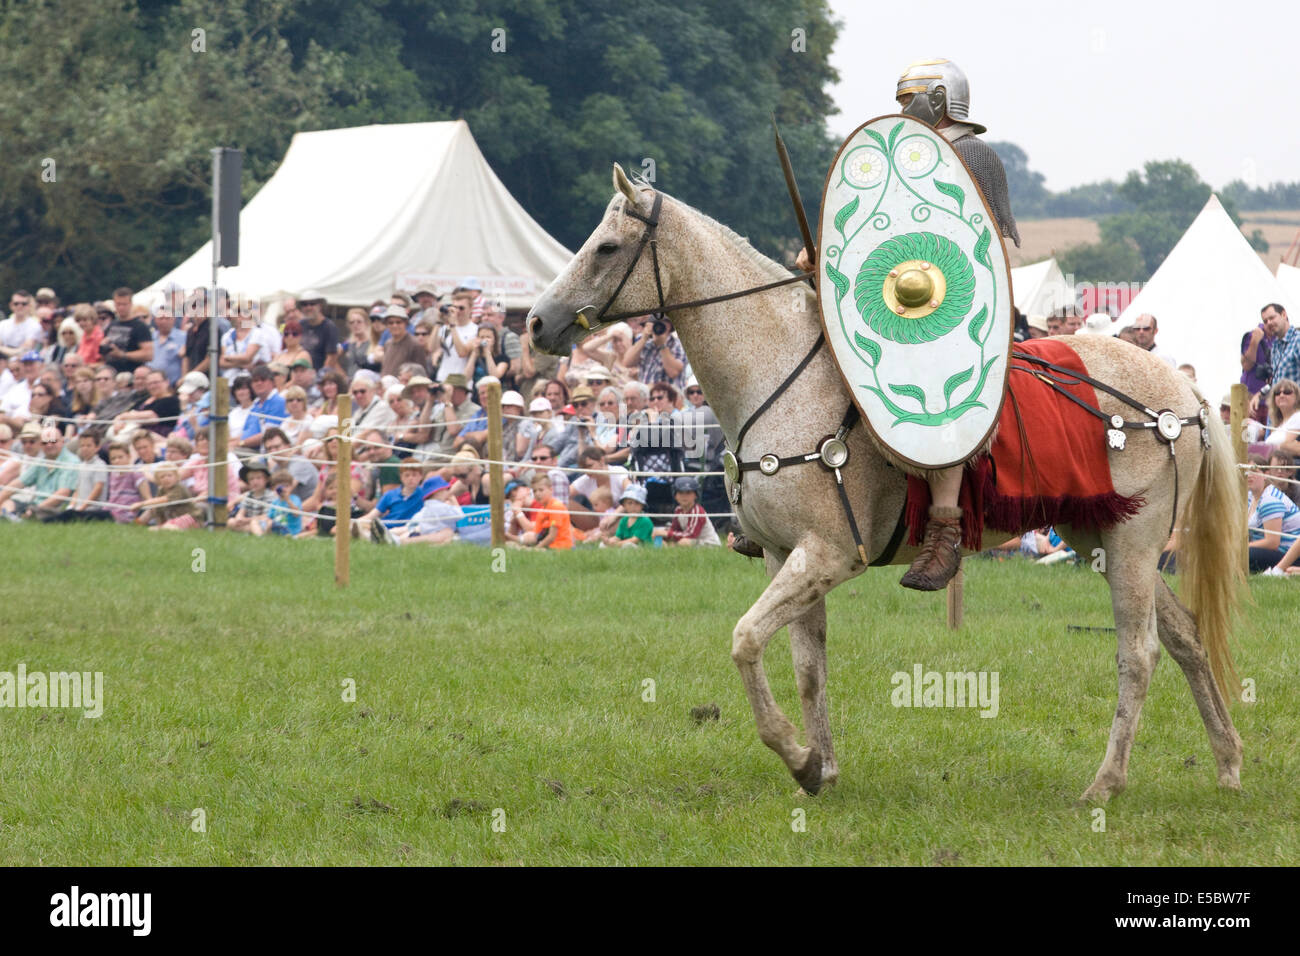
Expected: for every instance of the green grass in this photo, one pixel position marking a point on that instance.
(523, 691)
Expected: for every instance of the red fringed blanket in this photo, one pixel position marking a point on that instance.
(1048, 464)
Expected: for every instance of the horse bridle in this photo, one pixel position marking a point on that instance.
(648, 239)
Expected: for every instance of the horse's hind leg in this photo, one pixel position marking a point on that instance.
(811, 570)
(808, 646)
(1131, 574)
(1177, 629)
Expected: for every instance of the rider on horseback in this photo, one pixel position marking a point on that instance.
(937, 93)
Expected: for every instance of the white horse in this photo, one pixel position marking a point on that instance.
(743, 349)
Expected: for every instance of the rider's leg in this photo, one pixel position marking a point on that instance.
(940, 555)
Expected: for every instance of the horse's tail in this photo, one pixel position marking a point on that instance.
(1210, 558)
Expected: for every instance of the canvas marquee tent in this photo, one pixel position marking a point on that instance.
(355, 213)
(1040, 288)
(1289, 277)
(1206, 295)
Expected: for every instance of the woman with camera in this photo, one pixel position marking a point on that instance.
(489, 358)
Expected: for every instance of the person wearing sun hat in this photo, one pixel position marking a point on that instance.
(436, 521)
(633, 528)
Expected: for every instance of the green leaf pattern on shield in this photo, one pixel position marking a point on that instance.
(875, 164)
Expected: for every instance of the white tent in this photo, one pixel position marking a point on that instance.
(1040, 288)
(1289, 277)
(1205, 296)
(356, 213)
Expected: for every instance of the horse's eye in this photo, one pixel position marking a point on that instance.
(607, 248)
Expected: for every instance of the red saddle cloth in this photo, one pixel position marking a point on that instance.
(1048, 464)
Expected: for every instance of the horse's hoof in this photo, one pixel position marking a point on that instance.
(809, 776)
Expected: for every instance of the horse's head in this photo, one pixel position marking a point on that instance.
(598, 279)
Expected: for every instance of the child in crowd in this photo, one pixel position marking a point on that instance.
(285, 512)
(327, 509)
(146, 454)
(602, 503)
(92, 479)
(519, 497)
(436, 522)
(633, 527)
(194, 472)
(252, 511)
(395, 508)
(173, 511)
(123, 486)
(552, 527)
(689, 525)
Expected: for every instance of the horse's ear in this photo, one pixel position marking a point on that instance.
(624, 185)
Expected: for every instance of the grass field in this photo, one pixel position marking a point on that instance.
(517, 697)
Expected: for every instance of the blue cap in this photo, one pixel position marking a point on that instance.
(31, 355)
(434, 485)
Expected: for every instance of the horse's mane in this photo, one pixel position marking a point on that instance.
(765, 265)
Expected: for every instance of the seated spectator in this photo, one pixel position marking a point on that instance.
(145, 446)
(195, 471)
(1284, 416)
(543, 462)
(325, 524)
(397, 507)
(159, 412)
(24, 449)
(436, 521)
(1271, 515)
(689, 525)
(124, 484)
(332, 384)
(83, 396)
(633, 528)
(67, 343)
(552, 528)
(474, 433)
(285, 513)
(52, 478)
(402, 347)
(252, 514)
(611, 477)
(519, 498)
(405, 419)
(172, 508)
(241, 406)
(465, 475)
(266, 411)
(488, 358)
(1282, 475)
(92, 333)
(1254, 430)
(457, 410)
(297, 425)
(87, 503)
(45, 404)
(192, 393)
(368, 406)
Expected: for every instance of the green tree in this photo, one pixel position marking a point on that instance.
(1104, 262)
(1025, 187)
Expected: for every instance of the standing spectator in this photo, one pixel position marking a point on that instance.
(362, 349)
(656, 354)
(402, 347)
(319, 336)
(510, 348)
(92, 333)
(701, 436)
(244, 347)
(197, 344)
(426, 300)
(1285, 347)
(1145, 329)
(488, 360)
(657, 447)
(21, 332)
(128, 343)
(168, 345)
(457, 340)
(293, 351)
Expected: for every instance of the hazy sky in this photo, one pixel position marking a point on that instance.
(1093, 91)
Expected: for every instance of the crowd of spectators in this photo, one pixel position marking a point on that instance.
(104, 415)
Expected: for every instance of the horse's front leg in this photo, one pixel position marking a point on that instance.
(812, 569)
(808, 646)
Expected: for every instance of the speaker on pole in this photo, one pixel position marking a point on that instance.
(227, 166)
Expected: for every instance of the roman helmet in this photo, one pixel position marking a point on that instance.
(941, 90)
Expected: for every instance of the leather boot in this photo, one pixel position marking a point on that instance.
(940, 555)
(742, 545)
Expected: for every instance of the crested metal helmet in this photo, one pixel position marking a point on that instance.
(946, 92)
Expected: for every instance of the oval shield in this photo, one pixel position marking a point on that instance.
(914, 291)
